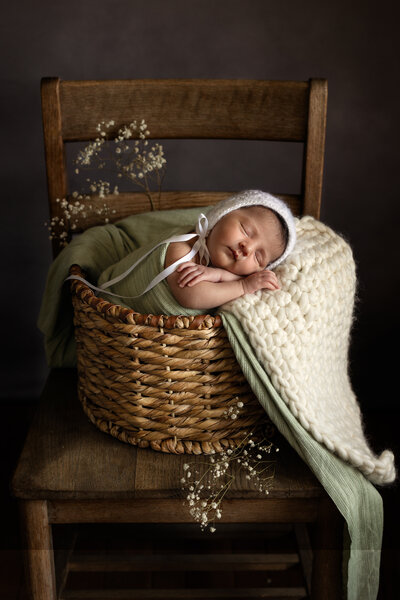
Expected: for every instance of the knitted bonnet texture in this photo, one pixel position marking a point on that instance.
(256, 198)
(300, 335)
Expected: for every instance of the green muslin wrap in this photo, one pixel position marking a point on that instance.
(103, 252)
(106, 251)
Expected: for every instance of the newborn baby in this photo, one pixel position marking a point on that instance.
(246, 235)
(232, 252)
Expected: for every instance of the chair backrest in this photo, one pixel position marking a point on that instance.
(289, 111)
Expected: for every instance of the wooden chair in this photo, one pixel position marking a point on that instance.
(71, 473)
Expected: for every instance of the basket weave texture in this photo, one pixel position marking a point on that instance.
(158, 381)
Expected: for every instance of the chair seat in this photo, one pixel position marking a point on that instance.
(65, 457)
(70, 472)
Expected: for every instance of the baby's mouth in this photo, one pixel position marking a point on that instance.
(234, 253)
(238, 256)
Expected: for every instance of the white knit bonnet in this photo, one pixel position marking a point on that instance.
(254, 198)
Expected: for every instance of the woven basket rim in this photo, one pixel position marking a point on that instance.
(127, 315)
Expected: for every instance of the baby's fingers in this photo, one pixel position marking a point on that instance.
(196, 279)
(273, 285)
(270, 285)
(185, 271)
(187, 265)
(188, 277)
(185, 278)
(271, 281)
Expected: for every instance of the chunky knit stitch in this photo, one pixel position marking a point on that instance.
(300, 334)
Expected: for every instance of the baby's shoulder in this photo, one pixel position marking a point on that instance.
(176, 250)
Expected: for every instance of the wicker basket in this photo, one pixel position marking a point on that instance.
(158, 381)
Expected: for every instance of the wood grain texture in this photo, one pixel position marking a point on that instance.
(38, 549)
(161, 510)
(66, 457)
(188, 108)
(315, 147)
(54, 148)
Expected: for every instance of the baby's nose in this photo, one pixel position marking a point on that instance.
(245, 248)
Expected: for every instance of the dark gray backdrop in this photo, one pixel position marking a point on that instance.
(353, 45)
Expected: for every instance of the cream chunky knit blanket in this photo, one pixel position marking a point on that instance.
(300, 335)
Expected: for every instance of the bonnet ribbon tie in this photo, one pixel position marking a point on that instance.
(201, 230)
(198, 247)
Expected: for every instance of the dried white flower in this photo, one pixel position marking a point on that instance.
(208, 490)
(131, 160)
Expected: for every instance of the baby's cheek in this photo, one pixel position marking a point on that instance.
(236, 269)
(245, 269)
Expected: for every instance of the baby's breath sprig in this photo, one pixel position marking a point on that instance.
(131, 159)
(205, 493)
(72, 212)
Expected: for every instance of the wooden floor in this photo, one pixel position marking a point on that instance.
(182, 539)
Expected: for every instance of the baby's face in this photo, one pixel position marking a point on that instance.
(246, 240)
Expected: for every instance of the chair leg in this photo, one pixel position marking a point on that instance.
(327, 563)
(38, 550)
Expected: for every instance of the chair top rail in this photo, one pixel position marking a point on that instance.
(188, 108)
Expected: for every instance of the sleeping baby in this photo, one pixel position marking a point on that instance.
(232, 252)
(242, 246)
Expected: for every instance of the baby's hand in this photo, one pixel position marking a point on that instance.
(191, 273)
(260, 280)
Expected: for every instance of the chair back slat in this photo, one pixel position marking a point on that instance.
(188, 109)
(126, 204)
(289, 111)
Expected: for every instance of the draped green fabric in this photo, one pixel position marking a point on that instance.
(355, 497)
(104, 252)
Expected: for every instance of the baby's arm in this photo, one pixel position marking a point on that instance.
(210, 294)
(191, 274)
